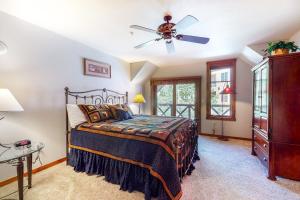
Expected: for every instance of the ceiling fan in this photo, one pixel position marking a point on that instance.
(168, 30)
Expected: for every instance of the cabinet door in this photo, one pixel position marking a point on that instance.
(264, 98)
(264, 91)
(257, 99)
(261, 96)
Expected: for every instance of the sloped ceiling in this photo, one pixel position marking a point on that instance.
(104, 25)
(141, 72)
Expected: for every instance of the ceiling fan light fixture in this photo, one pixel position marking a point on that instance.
(167, 18)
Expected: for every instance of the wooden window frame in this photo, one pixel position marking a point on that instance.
(220, 64)
(174, 81)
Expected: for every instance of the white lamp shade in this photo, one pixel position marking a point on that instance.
(8, 103)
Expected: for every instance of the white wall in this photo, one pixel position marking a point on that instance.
(296, 38)
(37, 67)
(242, 126)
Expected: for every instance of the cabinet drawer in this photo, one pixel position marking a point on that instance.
(261, 141)
(261, 155)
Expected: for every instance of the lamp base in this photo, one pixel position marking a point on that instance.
(223, 138)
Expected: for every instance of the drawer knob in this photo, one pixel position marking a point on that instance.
(265, 159)
(265, 145)
(255, 147)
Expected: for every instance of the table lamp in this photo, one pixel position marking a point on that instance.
(226, 90)
(139, 98)
(8, 103)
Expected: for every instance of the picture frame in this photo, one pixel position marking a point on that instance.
(96, 68)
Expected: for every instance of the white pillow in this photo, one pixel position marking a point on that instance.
(75, 115)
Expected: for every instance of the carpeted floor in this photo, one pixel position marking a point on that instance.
(226, 171)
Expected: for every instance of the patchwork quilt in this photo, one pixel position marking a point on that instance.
(146, 141)
(148, 126)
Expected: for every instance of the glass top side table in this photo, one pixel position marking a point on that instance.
(15, 156)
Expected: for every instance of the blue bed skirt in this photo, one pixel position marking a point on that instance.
(130, 177)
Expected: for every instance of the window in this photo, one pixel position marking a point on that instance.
(219, 74)
(178, 96)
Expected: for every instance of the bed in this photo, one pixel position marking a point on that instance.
(150, 154)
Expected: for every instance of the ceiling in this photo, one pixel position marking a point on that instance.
(230, 24)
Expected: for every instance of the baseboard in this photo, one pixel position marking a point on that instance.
(34, 171)
(229, 137)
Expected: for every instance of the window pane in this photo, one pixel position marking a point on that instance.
(222, 78)
(264, 91)
(185, 93)
(220, 74)
(257, 91)
(164, 100)
(216, 100)
(185, 100)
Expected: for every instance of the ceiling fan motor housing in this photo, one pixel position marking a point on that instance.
(165, 29)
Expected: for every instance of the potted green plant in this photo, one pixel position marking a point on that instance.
(281, 47)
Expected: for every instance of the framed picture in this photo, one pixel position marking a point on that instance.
(95, 68)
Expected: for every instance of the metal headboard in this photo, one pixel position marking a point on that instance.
(97, 96)
(94, 97)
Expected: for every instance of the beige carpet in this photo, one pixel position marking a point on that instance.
(226, 171)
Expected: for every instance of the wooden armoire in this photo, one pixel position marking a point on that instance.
(276, 115)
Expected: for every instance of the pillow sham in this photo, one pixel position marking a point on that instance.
(123, 114)
(126, 107)
(113, 109)
(106, 107)
(75, 115)
(94, 113)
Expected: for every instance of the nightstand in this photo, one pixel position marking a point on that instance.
(15, 156)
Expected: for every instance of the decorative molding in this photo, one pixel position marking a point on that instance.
(34, 171)
(229, 137)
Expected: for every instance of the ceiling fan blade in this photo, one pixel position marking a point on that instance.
(141, 28)
(145, 44)
(170, 46)
(185, 22)
(190, 38)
